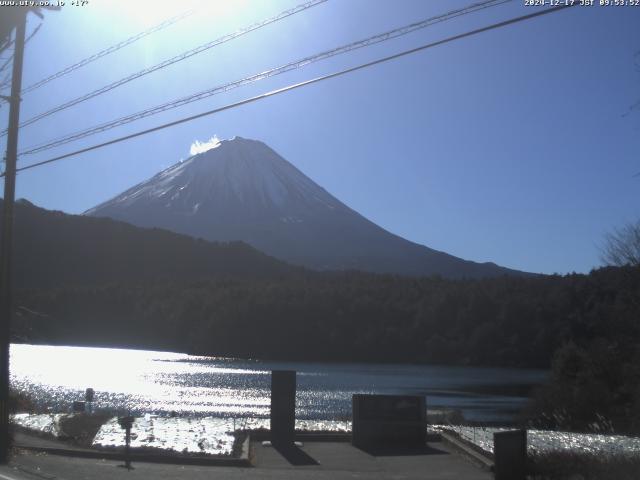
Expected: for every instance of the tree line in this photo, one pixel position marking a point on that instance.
(584, 327)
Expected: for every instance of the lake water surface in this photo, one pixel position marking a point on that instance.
(161, 383)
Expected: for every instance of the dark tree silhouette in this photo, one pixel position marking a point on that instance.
(622, 246)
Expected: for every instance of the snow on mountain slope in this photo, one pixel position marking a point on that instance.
(242, 190)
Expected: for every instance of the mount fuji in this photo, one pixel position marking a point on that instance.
(243, 190)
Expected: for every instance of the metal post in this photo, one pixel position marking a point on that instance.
(7, 234)
(127, 423)
(127, 448)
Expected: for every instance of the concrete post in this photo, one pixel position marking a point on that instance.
(283, 407)
(510, 455)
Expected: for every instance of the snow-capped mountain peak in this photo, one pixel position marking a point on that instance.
(240, 189)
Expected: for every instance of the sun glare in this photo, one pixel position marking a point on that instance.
(147, 13)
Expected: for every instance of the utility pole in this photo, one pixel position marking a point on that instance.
(7, 233)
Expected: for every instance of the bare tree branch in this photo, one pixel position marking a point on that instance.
(622, 246)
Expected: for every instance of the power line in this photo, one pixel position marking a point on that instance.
(391, 34)
(107, 51)
(10, 58)
(171, 61)
(299, 85)
(6, 63)
(6, 45)
(33, 34)
(5, 82)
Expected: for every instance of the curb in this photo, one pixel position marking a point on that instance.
(173, 458)
(260, 435)
(483, 459)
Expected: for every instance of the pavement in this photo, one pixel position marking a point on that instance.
(314, 460)
(21, 437)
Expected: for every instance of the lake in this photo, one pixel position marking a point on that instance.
(161, 383)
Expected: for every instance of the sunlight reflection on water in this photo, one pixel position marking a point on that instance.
(543, 441)
(162, 382)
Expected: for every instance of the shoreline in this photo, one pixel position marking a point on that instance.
(276, 359)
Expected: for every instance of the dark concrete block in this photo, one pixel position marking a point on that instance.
(283, 406)
(510, 455)
(383, 421)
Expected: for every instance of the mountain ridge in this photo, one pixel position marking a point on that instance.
(52, 248)
(243, 190)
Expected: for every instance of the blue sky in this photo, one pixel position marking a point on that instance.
(511, 146)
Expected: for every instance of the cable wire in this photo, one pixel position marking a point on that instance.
(7, 62)
(31, 35)
(170, 61)
(107, 51)
(397, 32)
(299, 85)
(6, 45)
